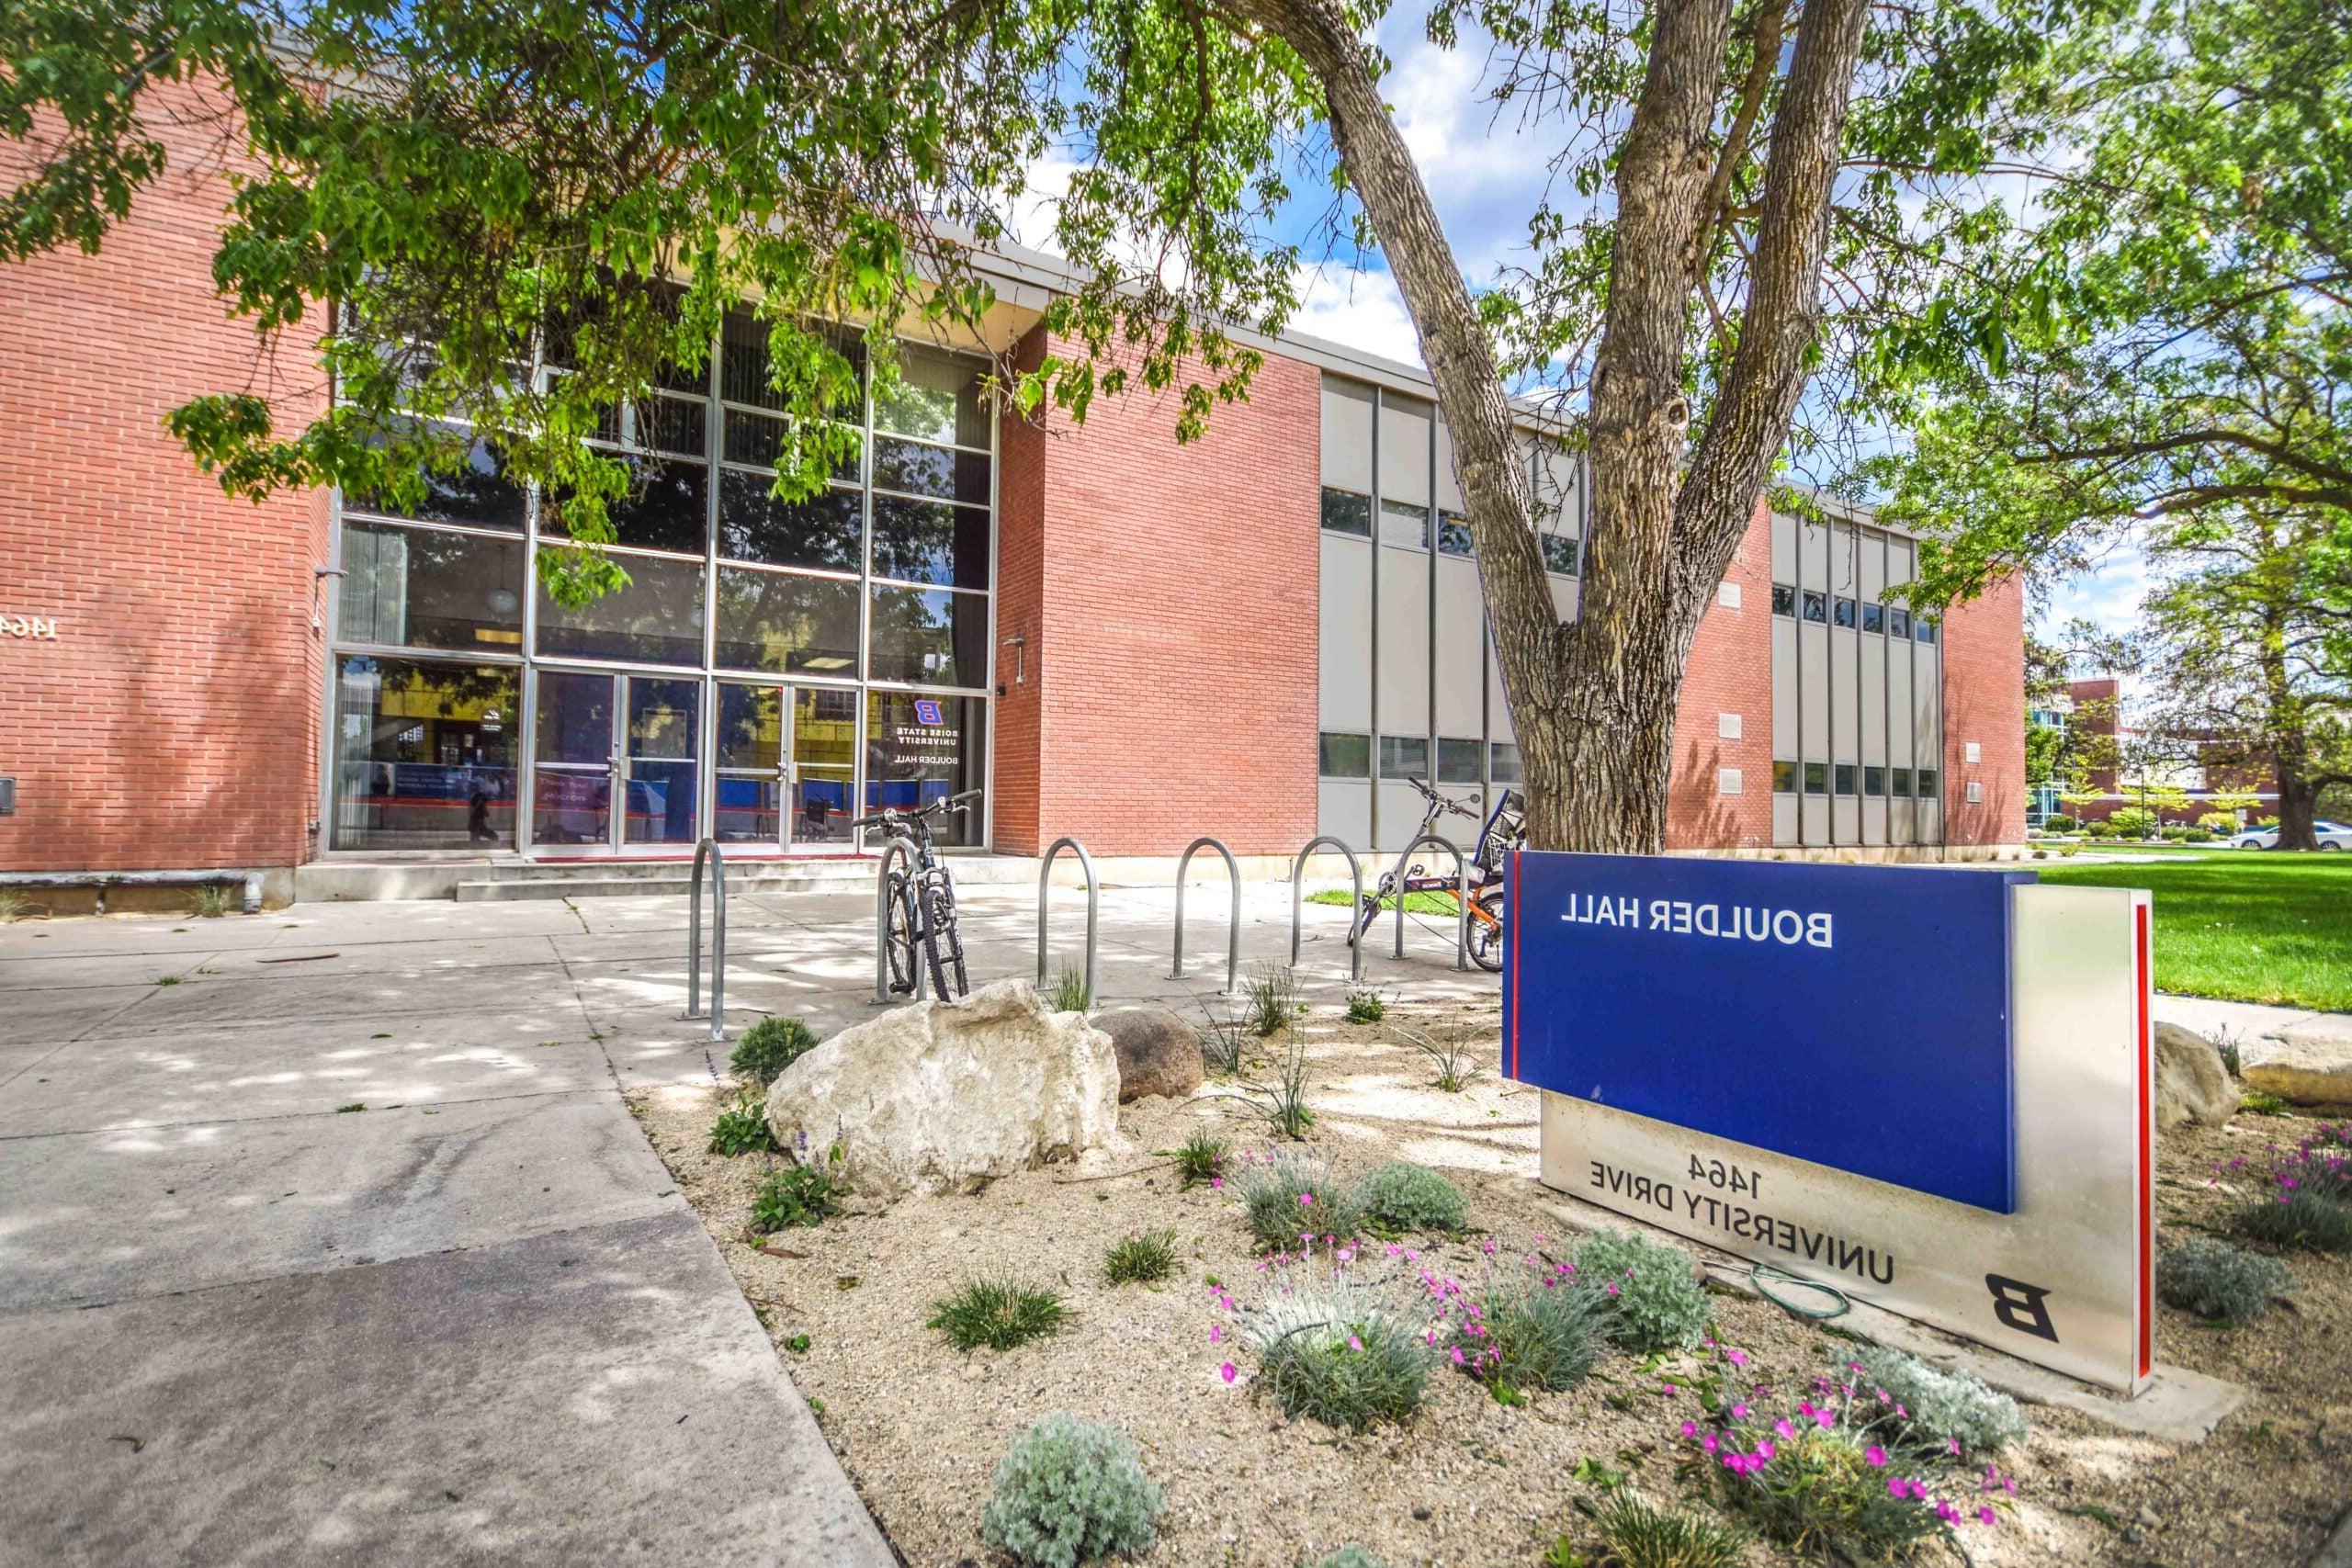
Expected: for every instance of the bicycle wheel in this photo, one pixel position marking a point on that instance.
(942, 945)
(1486, 939)
(1368, 908)
(899, 933)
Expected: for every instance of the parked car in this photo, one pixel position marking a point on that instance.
(2331, 835)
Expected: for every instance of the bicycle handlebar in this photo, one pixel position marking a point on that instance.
(1443, 801)
(884, 818)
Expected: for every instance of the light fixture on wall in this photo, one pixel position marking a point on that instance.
(1020, 646)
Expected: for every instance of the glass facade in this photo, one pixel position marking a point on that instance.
(725, 689)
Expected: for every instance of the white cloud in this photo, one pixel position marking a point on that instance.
(2108, 595)
(1357, 307)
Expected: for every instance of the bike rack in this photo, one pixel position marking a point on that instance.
(1233, 935)
(1297, 870)
(1093, 894)
(1462, 896)
(898, 847)
(708, 849)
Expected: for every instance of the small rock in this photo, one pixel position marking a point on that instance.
(1420, 1513)
(1158, 1053)
(2192, 1083)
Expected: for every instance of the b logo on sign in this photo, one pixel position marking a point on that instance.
(2019, 1307)
(927, 711)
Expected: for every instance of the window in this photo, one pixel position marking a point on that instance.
(826, 531)
(931, 541)
(475, 491)
(1975, 791)
(1502, 762)
(1842, 781)
(1404, 757)
(1901, 783)
(933, 473)
(1925, 629)
(1873, 618)
(1453, 534)
(1874, 782)
(1927, 784)
(1404, 525)
(920, 749)
(1843, 612)
(425, 754)
(667, 506)
(1560, 554)
(1785, 777)
(937, 399)
(1458, 761)
(1898, 621)
(1816, 606)
(1344, 511)
(787, 623)
(426, 588)
(1340, 754)
(1784, 600)
(931, 638)
(657, 619)
(1816, 778)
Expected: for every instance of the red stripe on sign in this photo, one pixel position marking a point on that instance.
(1510, 945)
(2143, 1044)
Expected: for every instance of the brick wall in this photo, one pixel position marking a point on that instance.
(1170, 612)
(1730, 671)
(171, 722)
(1984, 703)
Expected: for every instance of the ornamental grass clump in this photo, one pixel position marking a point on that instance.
(1654, 1298)
(743, 1129)
(1270, 1000)
(1201, 1160)
(2296, 1219)
(1290, 1200)
(1070, 1492)
(1636, 1534)
(1140, 1260)
(997, 1313)
(1949, 1414)
(1339, 1354)
(2214, 1280)
(768, 1047)
(1527, 1328)
(1407, 1197)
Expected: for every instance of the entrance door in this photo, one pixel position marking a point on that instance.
(606, 739)
(783, 760)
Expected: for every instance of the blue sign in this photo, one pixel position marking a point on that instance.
(1854, 1016)
(927, 711)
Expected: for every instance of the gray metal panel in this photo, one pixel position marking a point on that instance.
(1344, 641)
(1900, 710)
(1405, 449)
(1343, 809)
(1784, 689)
(1784, 547)
(1846, 819)
(1459, 645)
(1404, 696)
(1565, 592)
(1873, 738)
(1931, 820)
(1449, 489)
(1499, 726)
(1874, 819)
(1813, 693)
(1816, 819)
(1927, 699)
(1400, 817)
(1557, 476)
(1347, 435)
(1845, 700)
(1784, 818)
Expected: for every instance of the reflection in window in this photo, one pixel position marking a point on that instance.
(1404, 525)
(1816, 778)
(1927, 784)
(657, 425)
(743, 363)
(787, 623)
(1341, 754)
(932, 471)
(937, 399)
(475, 491)
(1453, 534)
(825, 531)
(424, 755)
(1874, 782)
(1844, 612)
(931, 541)
(1873, 618)
(1458, 761)
(1503, 763)
(1926, 628)
(930, 636)
(1344, 511)
(1816, 606)
(1898, 621)
(666, 508)
(1785, 777)
(1404, 757)
(423, 588)
(1784, 599)
(756, 438)
(657, 619)
(1560, 554)
(921, 749)
(1843, 782)
(1901, 783)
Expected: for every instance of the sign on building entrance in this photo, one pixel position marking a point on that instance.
(1930, 1087)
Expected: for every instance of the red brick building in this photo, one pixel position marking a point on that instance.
(2209, 770)
(1264, 635)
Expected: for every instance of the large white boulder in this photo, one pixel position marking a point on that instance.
(938, 1097)
(2310, 1066)
(2193, 1082)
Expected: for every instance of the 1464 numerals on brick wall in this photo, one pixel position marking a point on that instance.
(43, 627)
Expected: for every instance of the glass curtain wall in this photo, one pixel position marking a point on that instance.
(724, 691)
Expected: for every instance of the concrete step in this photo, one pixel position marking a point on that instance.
(595, 882)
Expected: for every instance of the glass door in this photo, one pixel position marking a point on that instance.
(784, 760)
(603, 739)
(824, 764)
(747, 754)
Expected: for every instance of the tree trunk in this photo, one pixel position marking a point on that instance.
(2283, 725)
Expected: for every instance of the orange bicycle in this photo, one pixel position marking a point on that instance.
(1504, 831)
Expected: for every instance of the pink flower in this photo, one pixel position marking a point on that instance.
(1739, 1412)
(1945, 1511)
(1306, 1200)
(1355, 1343)
(1953, 1443)
(1709, 1443)
(1985, 1514)
(1228, 1372)
(1876, 1455)
(1216, 1332)
(1825, 1418)
(1788, 1433)
(1764, 1448)
(1895, 1486)
(1737, 1358)
(1457, 1355)
(1215, 1182)
(1690, 1429)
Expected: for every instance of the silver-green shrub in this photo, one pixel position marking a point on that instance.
(1344, 1356)
(1291, 1196)
(1534, 1329)
(1944, 1406)
(1410, 1197)
(2214, 1280)
(1651, 1290)
(1069, 1492)
(1351, 1556)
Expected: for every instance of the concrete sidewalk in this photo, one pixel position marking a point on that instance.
(244, 1319)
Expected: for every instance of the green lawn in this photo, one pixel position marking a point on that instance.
(2247, 925)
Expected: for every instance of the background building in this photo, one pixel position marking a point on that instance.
(1262, 635)
(2178, 776)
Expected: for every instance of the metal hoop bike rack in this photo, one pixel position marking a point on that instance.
(1461, 897)
(708, 849)
(1355, 870)
(1233, 932)
(1093, 893)
(900, 847)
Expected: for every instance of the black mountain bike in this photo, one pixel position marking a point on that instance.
(920, 901)
(1504, 831)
